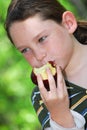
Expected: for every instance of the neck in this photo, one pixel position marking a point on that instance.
(77, 61)
(76, 71)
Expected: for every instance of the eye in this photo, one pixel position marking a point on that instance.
(25, 50)
(42, 39)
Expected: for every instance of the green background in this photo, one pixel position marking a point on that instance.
(16, 110)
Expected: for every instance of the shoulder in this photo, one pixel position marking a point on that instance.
(35, 95)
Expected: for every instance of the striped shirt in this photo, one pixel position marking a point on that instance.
(78, 103)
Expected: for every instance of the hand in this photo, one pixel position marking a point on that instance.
(56, 100)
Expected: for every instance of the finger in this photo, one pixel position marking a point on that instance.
(52, 84)
(41, 85)
(60, 81)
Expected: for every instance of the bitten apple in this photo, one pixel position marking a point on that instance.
(42, 72)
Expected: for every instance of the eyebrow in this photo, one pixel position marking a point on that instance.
(20, 47)
(35, 37)
(38, 35)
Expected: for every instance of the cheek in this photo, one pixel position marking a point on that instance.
(54, 47)
(29, 59)
(55, 44)
(61, 49)
(61, 44)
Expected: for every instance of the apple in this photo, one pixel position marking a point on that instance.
(42, 72)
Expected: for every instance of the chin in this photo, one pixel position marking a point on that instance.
(42, 72)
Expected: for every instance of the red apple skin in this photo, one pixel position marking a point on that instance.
(46, 83)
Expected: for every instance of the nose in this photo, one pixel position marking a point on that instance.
(40, 55)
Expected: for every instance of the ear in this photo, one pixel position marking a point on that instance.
(69, 21)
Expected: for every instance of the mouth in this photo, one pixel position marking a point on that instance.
(52, 63)
(42, 72)
(43, 64)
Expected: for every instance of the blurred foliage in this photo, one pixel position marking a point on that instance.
(67, 4)
(16, 110)
(78, 7)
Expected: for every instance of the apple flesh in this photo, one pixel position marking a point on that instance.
(42, 72)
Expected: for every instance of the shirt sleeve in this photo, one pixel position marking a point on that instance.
(79, 121)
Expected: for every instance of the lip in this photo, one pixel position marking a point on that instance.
(50, 61)
(53, 63)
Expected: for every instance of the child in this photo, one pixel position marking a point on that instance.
(44, 31)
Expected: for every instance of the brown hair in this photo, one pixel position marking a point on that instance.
(20, 10)
(81, 32)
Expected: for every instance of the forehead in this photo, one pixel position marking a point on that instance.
(28, 29)
(31, 22)
(34, 23)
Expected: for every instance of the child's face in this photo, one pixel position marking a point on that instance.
(41, 41)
